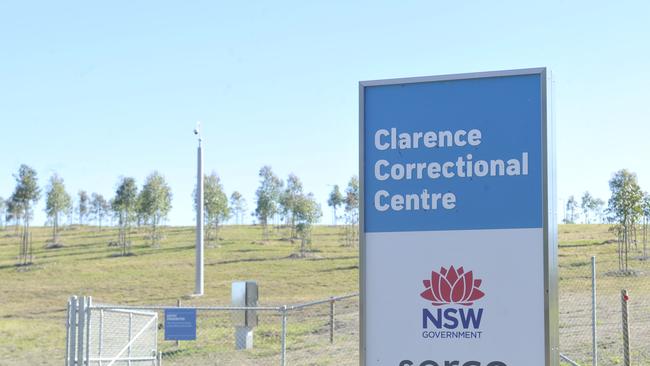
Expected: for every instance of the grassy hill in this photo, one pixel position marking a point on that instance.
(33, 299)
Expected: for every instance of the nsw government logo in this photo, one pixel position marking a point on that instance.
(452, 292)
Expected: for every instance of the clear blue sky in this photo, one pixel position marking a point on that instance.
(95, 90)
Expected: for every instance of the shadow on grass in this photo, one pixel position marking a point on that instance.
(245, 260)
(606, 242)
(348, 268)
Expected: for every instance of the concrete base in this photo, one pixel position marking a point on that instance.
(243, 338)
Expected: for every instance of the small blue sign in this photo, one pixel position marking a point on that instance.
(180, 324)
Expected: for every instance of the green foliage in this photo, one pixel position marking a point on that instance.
(588, 205)
(352, 199)
(99, 208)
(124, 207)
(156, 202)
(335, 200)
(570, 214)
(625, 204)
(15, 211)
(237, 206)
(352, 211)
(25, 196)
(215, 204)
(290, 198)
(3, 212)
(626, 208)
(598, 209)
(83, 206)
(645, 205)
(268, 195)
(126, 198)
(57, 202)
(307, 212)
(27, 192)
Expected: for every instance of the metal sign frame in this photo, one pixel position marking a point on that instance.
(549, 214)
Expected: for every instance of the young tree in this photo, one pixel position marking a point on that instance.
(124, 205)
(267, 195)
(570, 215)
(625, 205)
(238, 206)
(26, 195)
(99, 208)
(645, 207)
(141, 215)
(599, 209)
(307, 212)
(289, 200)
(335, 200)
(3, 213)
(587, 205)
(156, 201)
(352, 209)
(70, 214)
(215, 204)
(15, 212)
(82, 209)
(57, 202)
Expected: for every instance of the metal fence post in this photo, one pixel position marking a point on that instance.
(178, 305)
(81, 327)
(594, 335)
(67, 333)
(626, 328)
(332, 320)
(89, 305)
(72, 349)
(130, 337)
(283, 353)
(101, 334)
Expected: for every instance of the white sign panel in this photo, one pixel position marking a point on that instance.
(457, 250)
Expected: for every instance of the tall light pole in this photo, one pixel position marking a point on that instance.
(198, 288)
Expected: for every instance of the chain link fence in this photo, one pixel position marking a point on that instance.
(324, 332)
(577, 327)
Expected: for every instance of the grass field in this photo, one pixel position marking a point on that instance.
(32, 299)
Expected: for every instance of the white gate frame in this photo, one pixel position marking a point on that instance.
(78, 327)
(77, 330)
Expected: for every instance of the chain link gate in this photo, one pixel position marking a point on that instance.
(103, 336)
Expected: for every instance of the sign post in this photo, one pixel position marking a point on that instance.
(458, 224)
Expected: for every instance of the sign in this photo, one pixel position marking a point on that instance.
(458, 246)
(180, 324)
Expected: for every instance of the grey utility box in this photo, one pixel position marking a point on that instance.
(244, 294)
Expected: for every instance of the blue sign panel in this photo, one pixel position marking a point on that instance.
(454, 154)
(180, 324)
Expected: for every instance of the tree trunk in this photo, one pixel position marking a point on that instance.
(645, 236)
(265, 229)
(55, 229)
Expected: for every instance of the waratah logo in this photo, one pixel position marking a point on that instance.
(453, 286)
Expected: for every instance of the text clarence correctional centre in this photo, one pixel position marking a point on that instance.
(464, 166)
